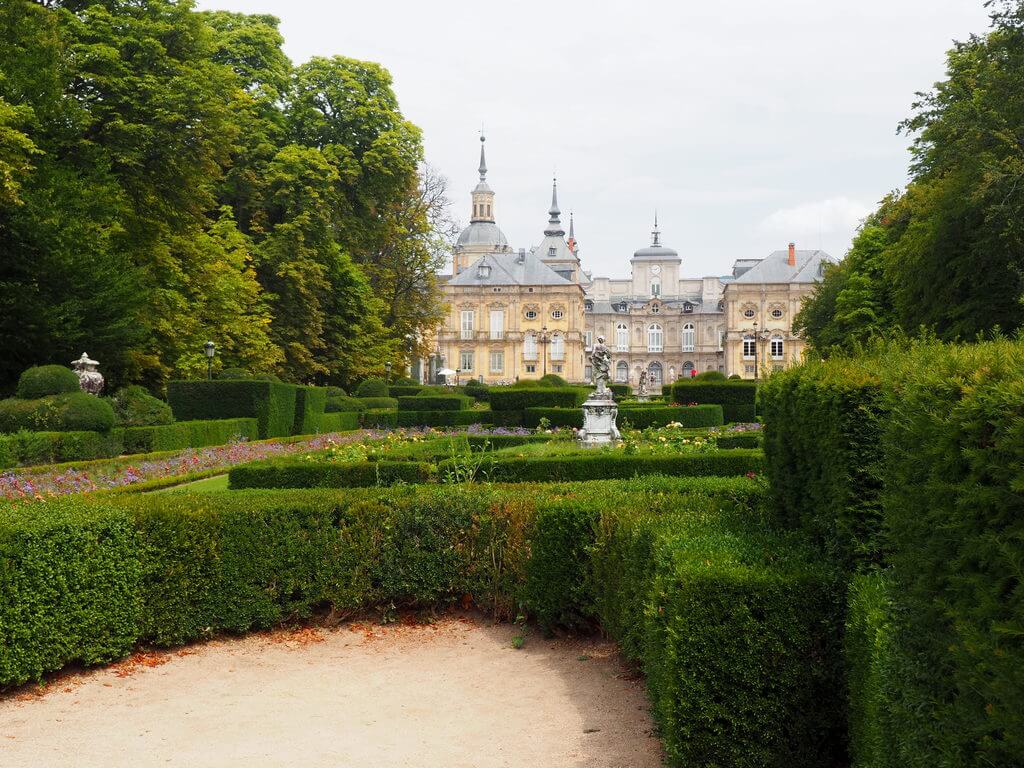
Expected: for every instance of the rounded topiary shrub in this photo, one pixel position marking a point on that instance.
(134, 406)
(70, 412)
(234, 373)
(476, 390)
(336, 392)
(735, 376)
(43, 380)
(553, 380)
(405, 381)
(372, 387)
(710, 376)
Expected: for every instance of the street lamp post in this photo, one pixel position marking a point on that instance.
(387, 373)
(544, 349)
(755, 350)
(211, 349)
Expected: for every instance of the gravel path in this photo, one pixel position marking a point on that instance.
(451, 694)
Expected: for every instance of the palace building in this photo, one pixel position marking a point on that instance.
(519, 314)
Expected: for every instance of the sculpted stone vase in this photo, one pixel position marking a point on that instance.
(89, 378)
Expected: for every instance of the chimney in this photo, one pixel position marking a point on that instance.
(792, 254)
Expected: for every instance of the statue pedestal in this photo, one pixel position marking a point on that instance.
(599, 415)
(643, 397)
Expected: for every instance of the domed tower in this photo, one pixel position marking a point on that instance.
(482, 236)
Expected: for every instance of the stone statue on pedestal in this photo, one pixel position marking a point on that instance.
(642, 389)
(600, 410)
(89, 379)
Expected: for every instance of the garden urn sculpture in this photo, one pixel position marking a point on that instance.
(89, 378)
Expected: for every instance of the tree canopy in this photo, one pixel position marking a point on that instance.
(167, 176)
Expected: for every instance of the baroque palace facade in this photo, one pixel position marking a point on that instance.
(518, 314)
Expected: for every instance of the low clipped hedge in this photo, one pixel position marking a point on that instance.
(404, 390)
(516, 399)
(42, 380)
(620, 391)
(27, 448)
(134, 406)
(392, 419)
(344, 404)
(434, 403)
(739, 440)
(338, 422)
(71, 412)
(372, 387)
(379, 403)
(272, 404)
(310, 403)
(186, 434)
(291, 472)
(737, 398)
(639, 417)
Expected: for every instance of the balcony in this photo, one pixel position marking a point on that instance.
(497, 336)
(466, 334)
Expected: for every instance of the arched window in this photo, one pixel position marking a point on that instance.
(687, 369)
(777, 346)
(655, 338)
(748, 347)
(654, 374)
(622, 371)
(621, 337)
(530, 346)
(688, 337)
(558, 347)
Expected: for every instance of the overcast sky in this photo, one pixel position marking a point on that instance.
(747, 124)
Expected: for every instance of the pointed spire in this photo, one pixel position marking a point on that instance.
(655, 234)
(554, 222)
(483, 160)
(572, 235)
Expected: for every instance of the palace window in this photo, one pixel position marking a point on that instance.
(621, 337)
(749, 313)
(552, 251)
(531, 367)
(556, 368)
(688, 337)
(558, 347)
(655, 338)
(497, 362)
(749, 347)
(531, 314)
(530, 347)
(688, 308)
(622, 372)
(588, 339)
(497, 323)
(466, 360)
(655, 287)
(467, 323)
(655, 309)
(588, 373)
(777, 347)
(777, 313)
(557, 314)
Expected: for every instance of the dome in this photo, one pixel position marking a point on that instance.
(655, 253)
(482, 233)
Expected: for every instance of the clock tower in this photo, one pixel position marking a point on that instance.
(655, 268)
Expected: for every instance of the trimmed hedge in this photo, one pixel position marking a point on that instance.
(134, 406)
(380, 419)
(620, 391)
(737, 398)
(72, 412)
(639, 417)
(314, 474)
(310, 403)
(186, 434)
(392, 419)
(344, 404)
(739, 440)
(379, 403)
(434, 403)
(42, 380)
(402, 390)
(338, 422)
(29, 448)
(270, 403)
(515, 399)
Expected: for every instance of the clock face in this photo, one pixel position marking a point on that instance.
(655, 269)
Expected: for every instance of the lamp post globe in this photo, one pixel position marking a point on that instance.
(210, 349)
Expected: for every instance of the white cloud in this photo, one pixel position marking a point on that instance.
(810, 221)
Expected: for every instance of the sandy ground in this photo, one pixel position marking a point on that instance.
(452, 694)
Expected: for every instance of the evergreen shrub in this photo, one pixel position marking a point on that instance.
(379, 403)
(710, 376)
(639, 417)
(343, 404)
(272, 404)
(552, 380)
(338, 422)
(28, 448)
(737, 398)
(42, 380)
(401, 390)
(310, 404)
(134, 406)
(71, 412)
(620, 391)
(187, 434)
(431, 402)
(518, 399)
(372, 387)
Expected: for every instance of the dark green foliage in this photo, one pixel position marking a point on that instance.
(404, 390)
(134, 406)
(372, 387)
(336, 392)
(310, 403)
(736, 629)
(382, 419)
(187, 434)
(478, 391)
(516, 399)
(432, 402)
(27, 448)
(735, 377)
(379, 403)
(736, 397)
(620, 391)
(822, 432)
(234, 373)
(338, 422)
(552, 380)
(43, 380)
(739, 440)
(638, 417)
(72, 412)
(293, 473)
(342, 403)
(710, 376)
(443, 418)
(270, 403)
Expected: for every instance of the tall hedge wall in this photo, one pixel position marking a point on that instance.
(272, 404)
(737, 398)
(310, 403)
(186, 434)
(930, 476)
(431, 402)
(516, 399)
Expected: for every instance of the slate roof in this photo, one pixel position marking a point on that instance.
(775, 268)
(507, 269)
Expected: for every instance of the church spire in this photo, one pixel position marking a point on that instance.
(554, 222)
(573, 246)
(483, 160)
